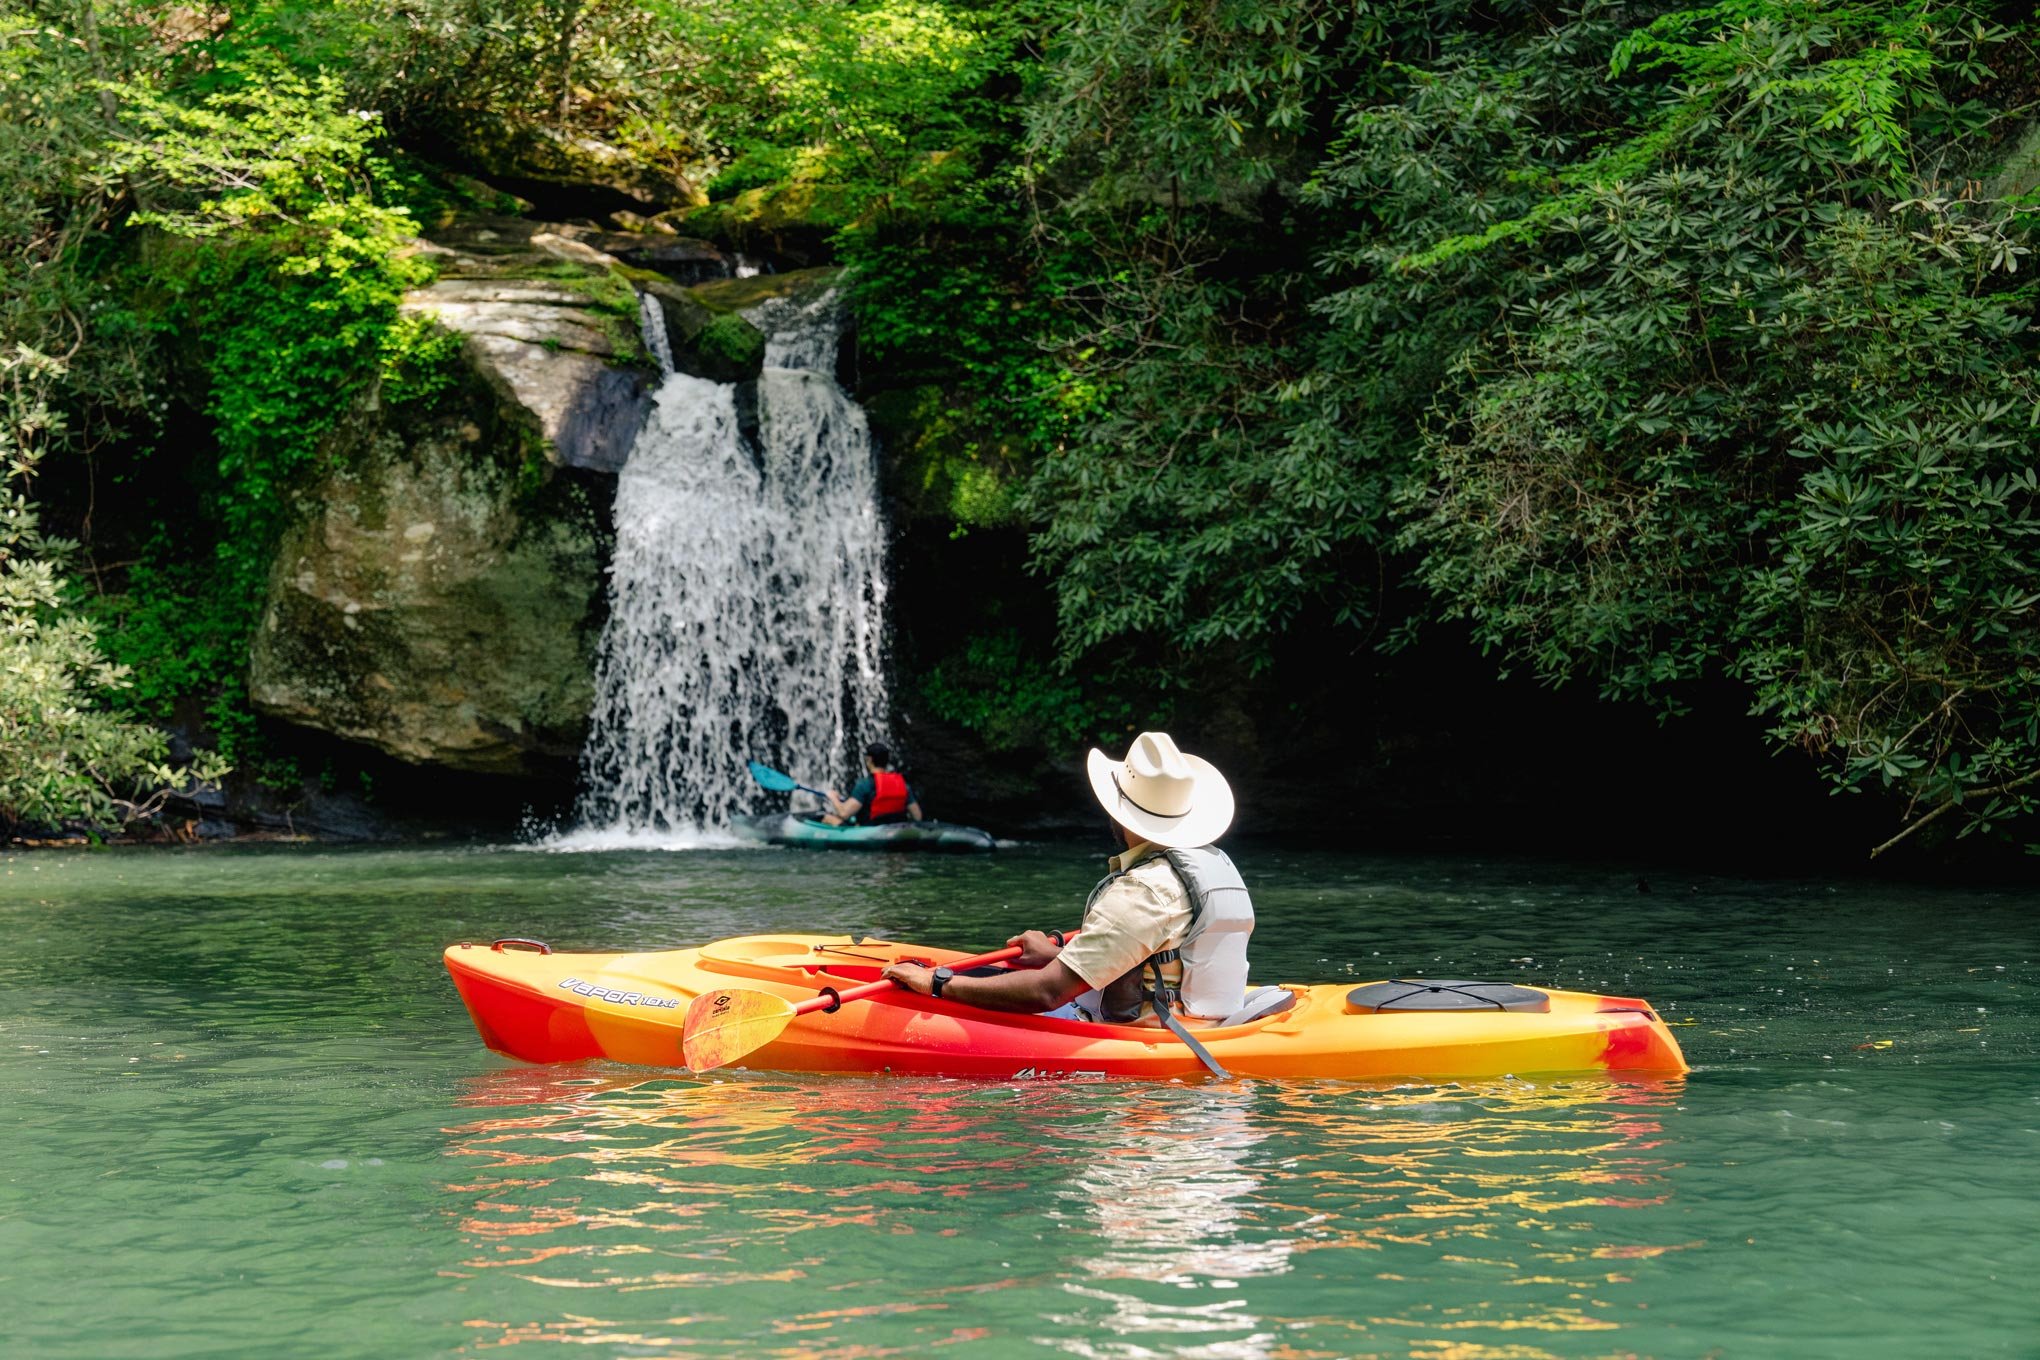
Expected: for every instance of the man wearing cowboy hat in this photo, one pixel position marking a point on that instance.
(1171, 904)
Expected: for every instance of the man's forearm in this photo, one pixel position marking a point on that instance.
(1020, 990)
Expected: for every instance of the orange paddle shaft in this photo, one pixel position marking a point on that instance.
(829, 998)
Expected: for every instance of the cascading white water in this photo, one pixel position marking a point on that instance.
(652, 329)
(747, 593)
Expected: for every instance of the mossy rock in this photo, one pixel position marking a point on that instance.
(741, 295)
(685, 317)
(793, 219)
(718, 345)
(437, 601)
(728, 349)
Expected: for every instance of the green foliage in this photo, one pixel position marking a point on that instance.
(286, 278)
(886, 102)
(1012, 700)
(1164, 515)
(530, 79)
(418, 359)
(1735, 423)
(1652, 341)
(55, 109)
(989, 393)
(1178, 504)
(63, 757)
(1153, 102)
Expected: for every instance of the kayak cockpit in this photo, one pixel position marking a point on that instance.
(816, 963)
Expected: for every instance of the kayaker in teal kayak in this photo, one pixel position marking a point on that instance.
(880, 797)
(1165, 932)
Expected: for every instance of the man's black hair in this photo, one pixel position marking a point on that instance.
(878, 753)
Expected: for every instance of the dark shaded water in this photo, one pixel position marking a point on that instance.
(243, 1114)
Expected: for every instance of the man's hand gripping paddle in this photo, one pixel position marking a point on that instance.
(722, 1026)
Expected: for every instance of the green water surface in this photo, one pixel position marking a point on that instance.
(242, 1113)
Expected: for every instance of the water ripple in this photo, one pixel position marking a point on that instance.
(1116, 1219)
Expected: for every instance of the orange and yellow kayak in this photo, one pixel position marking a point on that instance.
(546, 1007)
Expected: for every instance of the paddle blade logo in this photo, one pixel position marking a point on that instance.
(723, 1026)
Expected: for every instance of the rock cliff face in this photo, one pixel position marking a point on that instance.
(440, 600)
(551, 324)
(441, 595)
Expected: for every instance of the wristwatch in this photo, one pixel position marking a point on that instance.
(941, 977)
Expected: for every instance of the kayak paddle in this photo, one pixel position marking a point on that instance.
(776, 782)
(723, 1026)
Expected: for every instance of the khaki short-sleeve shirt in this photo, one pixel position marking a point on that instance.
(1143, 911)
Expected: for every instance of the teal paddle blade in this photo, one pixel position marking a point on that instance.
(769, 778)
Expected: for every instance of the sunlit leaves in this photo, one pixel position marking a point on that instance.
(879, 100)
(285, 285)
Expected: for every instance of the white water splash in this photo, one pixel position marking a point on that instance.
(747, 595)
(603, 840)
(800, 333)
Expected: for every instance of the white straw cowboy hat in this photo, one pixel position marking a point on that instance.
(1162, 795)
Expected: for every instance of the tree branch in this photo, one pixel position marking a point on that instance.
(2005, 787)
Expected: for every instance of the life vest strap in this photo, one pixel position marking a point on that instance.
(1161, 998)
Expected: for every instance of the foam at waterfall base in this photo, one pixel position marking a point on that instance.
(595, 839)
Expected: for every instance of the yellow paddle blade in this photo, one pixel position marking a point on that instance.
(723, 1026)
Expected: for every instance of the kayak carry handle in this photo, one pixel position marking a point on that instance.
(519, 942)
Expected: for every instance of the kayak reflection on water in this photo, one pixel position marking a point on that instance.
(1195, 1220)
(902, 1213)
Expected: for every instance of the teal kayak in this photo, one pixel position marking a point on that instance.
(786, 829)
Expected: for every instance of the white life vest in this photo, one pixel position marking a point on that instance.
(1214, 951)
(1205, 975)
(1210, 965)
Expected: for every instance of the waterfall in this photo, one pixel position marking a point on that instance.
(651, 320)
(747, 592)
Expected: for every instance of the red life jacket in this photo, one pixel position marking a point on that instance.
(888, 795)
